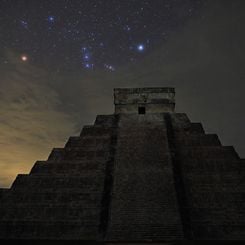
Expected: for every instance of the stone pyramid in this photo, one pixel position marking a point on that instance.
(144, 173)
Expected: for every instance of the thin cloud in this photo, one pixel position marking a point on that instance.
(31, 122)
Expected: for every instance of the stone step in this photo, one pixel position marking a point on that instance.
(196, 128)
(86, 154)
(106, 120)
(57, 191)
(49, 230)
(226, 232)
(57, 154)
(194, 140)
(231, 179)
(92, 181)
(208, 152)
(218, 200)
(218, 214)
(207, 165)
(195, 186)
(50, 211)
(96, 131)
(151, 232)
(48, 167)
(73, 196)
(81, 142)
(85, 149)
(3, 193)
(74, 141)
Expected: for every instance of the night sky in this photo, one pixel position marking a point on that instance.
(79, 35)
(61, 59)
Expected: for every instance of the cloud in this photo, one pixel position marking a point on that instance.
(32, 122)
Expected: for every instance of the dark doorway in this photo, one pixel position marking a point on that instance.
(141, 110)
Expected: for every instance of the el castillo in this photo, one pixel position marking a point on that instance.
(144, 174)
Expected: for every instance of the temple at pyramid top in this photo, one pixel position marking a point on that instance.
(144, 100)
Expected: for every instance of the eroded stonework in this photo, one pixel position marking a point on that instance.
(152, 100)
(138, 175)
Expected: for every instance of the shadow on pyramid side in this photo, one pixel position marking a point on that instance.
(142, 174)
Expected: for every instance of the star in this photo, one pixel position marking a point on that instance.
(24, 24)
(86, 56)
(51, 19)
(127, 28)
(140, 47)
(24, 58)
(89, 65)
(109, 67)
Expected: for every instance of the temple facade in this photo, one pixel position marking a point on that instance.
(142, 174)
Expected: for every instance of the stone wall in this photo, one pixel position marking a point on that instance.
(154, 100)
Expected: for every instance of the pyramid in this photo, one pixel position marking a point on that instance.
(142, 174)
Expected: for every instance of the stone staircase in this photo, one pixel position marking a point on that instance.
(62, 197)
(213, 183)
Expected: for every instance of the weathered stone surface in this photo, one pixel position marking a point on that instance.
(152, 100)
(144, 202)
(138, 175)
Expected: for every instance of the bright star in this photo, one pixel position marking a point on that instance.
(140, 47)
(51, 19)
(24, 58)
(86, 56)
